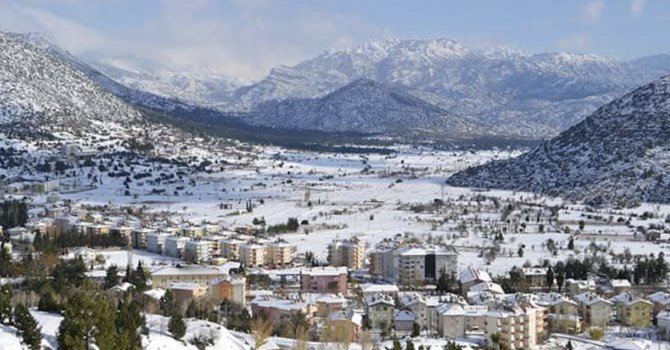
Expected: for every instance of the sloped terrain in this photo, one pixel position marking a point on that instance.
(364, 106)
(619, 155)
(519, 93)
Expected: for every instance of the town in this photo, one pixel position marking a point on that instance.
(477, 270)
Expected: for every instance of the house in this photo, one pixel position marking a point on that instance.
(471, 276)
(595, 311)
(633, 311)
(574, 287)
(390, 290)
(663, 324)
(326, 279)
(661, 301)
(403, 321)
(349, 321)
(231, 288)
(425, 308)
(380, 312)
(185, 292)
(281, 310)
(536, 277)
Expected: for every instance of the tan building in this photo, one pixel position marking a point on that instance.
(281, 253)
(184, 292)
(595, 311)
(325, 279)
(633, 311)
(163, 277)
(253, 254)
(231, 288)
(347, 252)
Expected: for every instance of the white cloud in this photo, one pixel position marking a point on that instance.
(637, 7)
(594, 9)
(255, 36)
(575, 42)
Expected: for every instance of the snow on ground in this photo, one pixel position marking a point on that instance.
(369, 195)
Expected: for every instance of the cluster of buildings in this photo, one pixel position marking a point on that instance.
(412, 263)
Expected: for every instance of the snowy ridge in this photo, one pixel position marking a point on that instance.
(37, 89)
(364, 106)
(623, 143)
(540, 94)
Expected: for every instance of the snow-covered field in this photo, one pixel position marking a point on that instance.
(372, 195)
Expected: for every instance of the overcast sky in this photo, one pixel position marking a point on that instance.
(246, 38)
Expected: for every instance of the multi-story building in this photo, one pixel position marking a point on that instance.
(156, 242)
(281, 253)
(519, 327)
(633, 311)
(326, 279)
(661, 301)
(164, 276)
(380, 312)
(595, 311)
(412, 265)
(230, 248)
(347, 252)
(174, 246)
(253, 254)
(472, 276)
(425, 308)
(281, 310)
(198, 252)
(230, 288)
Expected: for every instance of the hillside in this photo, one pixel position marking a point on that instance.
(531, 95)
(364, 106)
(47, 95)
(619, 155)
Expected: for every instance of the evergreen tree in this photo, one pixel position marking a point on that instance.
(396, 343)
(88, 319)
(130, 323)
(112, 277)
(5, 305)
(167, 303)
(559, 271)
(571, 243)
(30, 332)
(192, 309)
(569, 346)
(48, 302)
(550, 278)
(139, 277)
(176, 326)
(69, 273)
(409, 345)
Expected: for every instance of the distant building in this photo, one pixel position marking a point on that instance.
(253, 254)
(281, 253)
(412, 265)
(156, 242)
(174, 246)
(347, 252)
(230, 288)
(633, 311)
(324, 280)
(197, 252)
(163, 277)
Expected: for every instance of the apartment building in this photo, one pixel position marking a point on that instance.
(326, 279)
(174, 246)
(253, 254)
(633, 311)
(156, 242)
(163, 277)
(595, 311)
(281, 253)
(413, 264)
(347, 252)
(197, 252)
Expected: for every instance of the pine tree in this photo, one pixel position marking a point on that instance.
(550, 278)
(48, 302)
(571, 243)
(396, 343)
(30, 332)
(112, 277)
(130, 323)
(167, 304)
(192, 309)
(5, 305)
(409, 345)
(88, 319)
(176, 326)
(569, 346)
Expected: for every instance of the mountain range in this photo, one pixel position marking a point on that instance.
(619, 155)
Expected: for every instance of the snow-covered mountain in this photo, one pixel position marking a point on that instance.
(618, 155)
(519, 93)
(364, 106)
(41, 92)
(201, 88)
